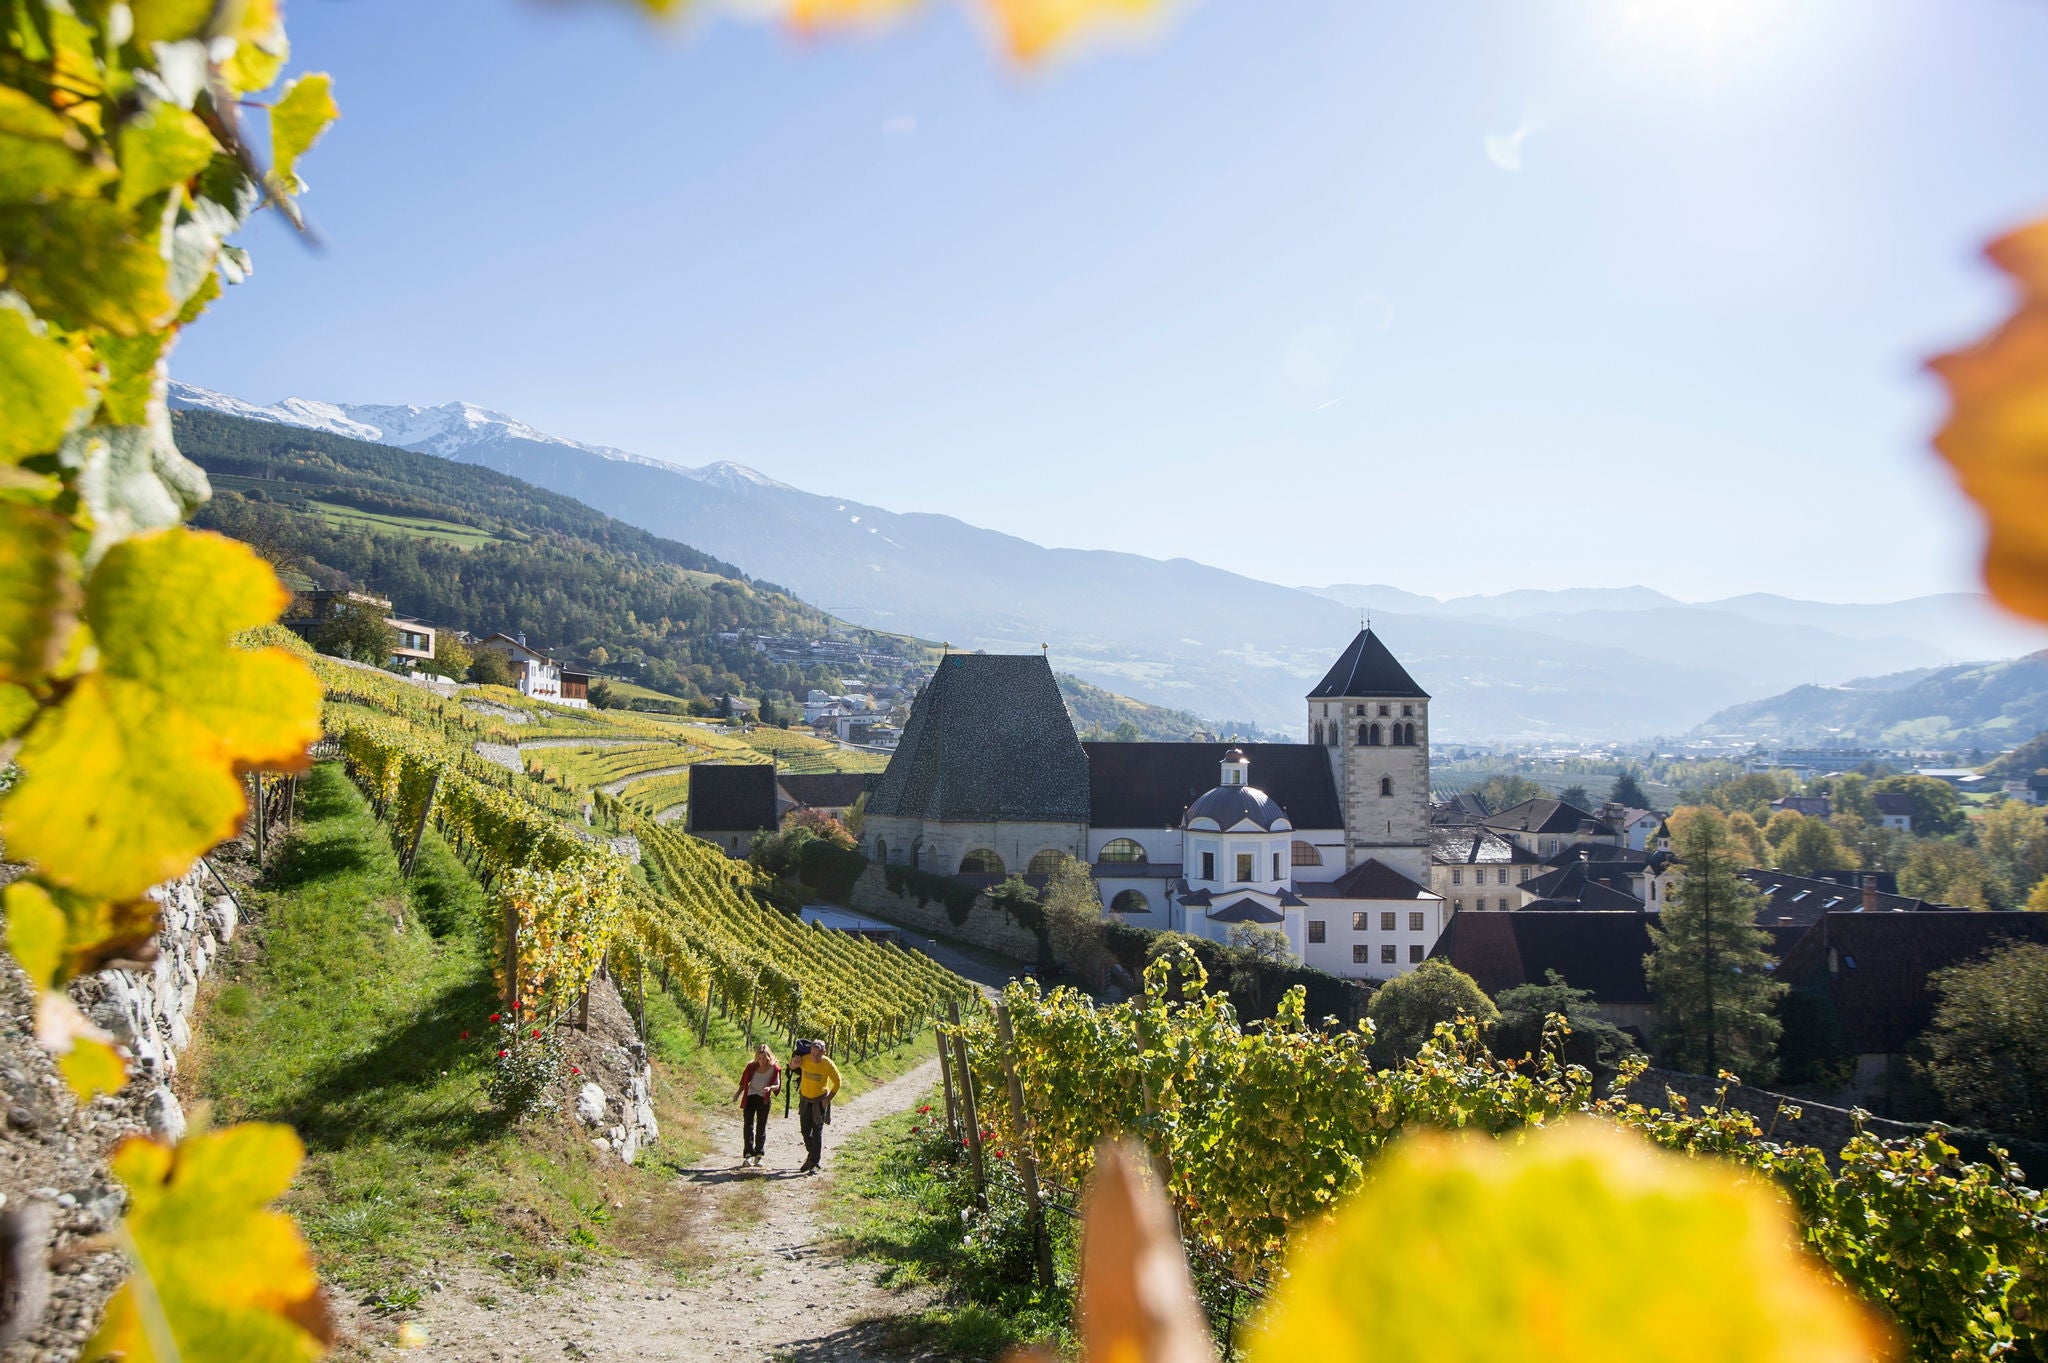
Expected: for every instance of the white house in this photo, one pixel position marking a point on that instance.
(535, 674)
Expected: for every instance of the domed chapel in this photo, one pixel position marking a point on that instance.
(1325, 841)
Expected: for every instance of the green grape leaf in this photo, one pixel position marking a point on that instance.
(169, 21)
(158, 732)
(42, 387)
(133, 479)
(298, 118)
(216, 1270)
(161, 146)
(42, 153)
(38, 590)
(83, 263)
(1576, 1243)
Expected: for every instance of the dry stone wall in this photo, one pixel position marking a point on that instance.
(984, 926)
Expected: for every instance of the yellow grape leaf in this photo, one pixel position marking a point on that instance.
(159, 732)
(1578, 1244)
(35, 931)
(42, 387)
(17, 704)
(260, 45)
(161, 146)
(298, 118)
(131, 376)
(224, 1275)
(92, 1067)
(1033, 28)
(42, 153)
(1996, 436)
(38, 587)
(82, 263)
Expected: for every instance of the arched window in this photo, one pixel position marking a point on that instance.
(1044, 863)
(1122, 849)
(1305, 854)
(882, 850)
(981, 862)
(1386, 785)
(1319, 733)
(1130, 901)
(1374, 735)
(1411, 734)
(1364, 735)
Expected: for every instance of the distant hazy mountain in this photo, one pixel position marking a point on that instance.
(1975, 705)
(1618, 663)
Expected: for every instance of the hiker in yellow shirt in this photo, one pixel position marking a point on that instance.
(817, 1082)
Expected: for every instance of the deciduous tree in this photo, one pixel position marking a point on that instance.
(1937, 809)
(1073, 920)
(356, 629)
(1709, 964)
(1985, 1053)
(1951, 873)
(1406, 1009)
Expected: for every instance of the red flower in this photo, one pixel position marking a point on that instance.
(516, 1005)
(465, 1036)
(494, 1017)
(503, 1054)
(926, 1108)
(574, 1070)
(536, 1033)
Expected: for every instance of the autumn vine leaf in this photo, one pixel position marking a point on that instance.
(1996, 435)
(1030, 30)
(159, 731)
(217, 1271)
(1577, 1244)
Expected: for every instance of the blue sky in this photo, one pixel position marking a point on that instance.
(1460, 295)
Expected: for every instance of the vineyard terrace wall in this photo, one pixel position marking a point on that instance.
(914, 905)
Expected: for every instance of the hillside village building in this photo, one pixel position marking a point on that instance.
(1327, 842)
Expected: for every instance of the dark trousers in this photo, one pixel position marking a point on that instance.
(754, 1125)
(811, 1117)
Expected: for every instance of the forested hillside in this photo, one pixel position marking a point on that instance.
(1987, 705)
(473, 549)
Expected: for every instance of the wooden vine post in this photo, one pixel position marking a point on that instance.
(256, 783)
(1027, 1163)
(511, 952)
(704, 1023)
(973, 1120)
(419, 827)
(946, 1081)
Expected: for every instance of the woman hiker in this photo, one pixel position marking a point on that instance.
(817, 1082)
(758, 1083)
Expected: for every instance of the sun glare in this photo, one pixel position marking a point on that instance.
(1709, 29)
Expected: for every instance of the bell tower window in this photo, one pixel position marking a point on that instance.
(1386, 785)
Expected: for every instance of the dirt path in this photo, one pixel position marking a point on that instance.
(768, 1285)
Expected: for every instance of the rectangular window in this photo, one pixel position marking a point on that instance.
(1522, 877)
(1387, 921)
(1415, 955)
(1361, 955)
(1386, 710)
(1361, 921)
(1276, 866)
(1415, 922)
(1315, 930)
(1503, 906)
(1407, 710)
(1387, 956)
(1208, 865)
(1457, 876)
(1244, 866)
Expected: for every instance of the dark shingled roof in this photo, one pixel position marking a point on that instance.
(1469, 846)
(1367, 669)
(1588, 884)
(1247, 911)
(823, 790)
(1149, 785)
(1893, 802)
(989, 738)
(1792, 904)
(1546, 816)
(1875, 965)
(1600, 952)
(727, 797)
(1369, 879)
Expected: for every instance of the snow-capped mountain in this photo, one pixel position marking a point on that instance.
(453, 430)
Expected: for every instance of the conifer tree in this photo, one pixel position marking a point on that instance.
(1708, 970)
(1628, 791)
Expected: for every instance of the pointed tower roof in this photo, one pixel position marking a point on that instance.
(1367, 669)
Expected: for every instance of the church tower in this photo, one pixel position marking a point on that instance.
(1373, 720)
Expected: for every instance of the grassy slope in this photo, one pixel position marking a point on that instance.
(342, 1013)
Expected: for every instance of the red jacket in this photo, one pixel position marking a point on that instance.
(774, 1077)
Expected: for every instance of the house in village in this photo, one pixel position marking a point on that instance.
(1327, 842)
(413, 639)
(1894, 810)
(536, 675)
(730, 802)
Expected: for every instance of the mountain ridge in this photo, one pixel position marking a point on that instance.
(1177, 633)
